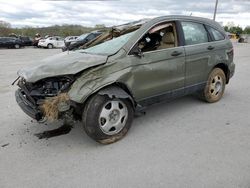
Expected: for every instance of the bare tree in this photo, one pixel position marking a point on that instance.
(4, 24)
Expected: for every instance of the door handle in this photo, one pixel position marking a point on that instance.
(176, 53)
(210, 47)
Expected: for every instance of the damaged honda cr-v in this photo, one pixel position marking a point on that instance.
(104, 85)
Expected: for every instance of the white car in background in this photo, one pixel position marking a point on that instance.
(51, 42)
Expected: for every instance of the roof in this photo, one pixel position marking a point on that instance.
(188, 18)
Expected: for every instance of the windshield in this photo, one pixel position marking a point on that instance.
(111, 46)
(83, 36)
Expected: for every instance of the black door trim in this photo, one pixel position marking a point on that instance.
(170, 95)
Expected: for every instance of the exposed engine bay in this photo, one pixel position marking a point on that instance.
(46, 98)
(48, 87)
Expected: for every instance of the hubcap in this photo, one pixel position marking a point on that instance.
(113, 117)
(216, 86)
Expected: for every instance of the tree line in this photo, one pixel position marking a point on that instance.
(237, 29)
(55, 30)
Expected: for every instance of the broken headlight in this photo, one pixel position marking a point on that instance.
(48, 87)
(52, 86)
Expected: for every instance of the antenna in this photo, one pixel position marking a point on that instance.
(215, 9)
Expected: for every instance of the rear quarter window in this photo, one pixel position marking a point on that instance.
(194, 33)
(217, 35)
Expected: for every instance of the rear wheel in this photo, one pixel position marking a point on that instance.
(50, 46)
(17, 46)
(215, 86)
(107, 120)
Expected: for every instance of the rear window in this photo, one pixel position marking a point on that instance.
(194, 33)
(217, 35)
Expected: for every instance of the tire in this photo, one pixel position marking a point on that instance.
(241, 40)
(50, 46)
(17, 46)
(107, 120)
(215, 86)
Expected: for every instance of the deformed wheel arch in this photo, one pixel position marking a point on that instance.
(50, 44)
(225, 69)
(117, 90)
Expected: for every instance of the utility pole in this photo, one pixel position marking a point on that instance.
(215, 9)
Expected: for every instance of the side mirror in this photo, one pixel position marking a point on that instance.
(137, 52)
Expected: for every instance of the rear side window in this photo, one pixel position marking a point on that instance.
(217, 35)
(91, 37)
(194, 33)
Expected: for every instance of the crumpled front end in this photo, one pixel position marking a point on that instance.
(45, 99)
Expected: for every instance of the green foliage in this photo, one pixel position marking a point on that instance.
(226, 28)
(247, 30)
(234, 29)
(4, 24)
(55, 30)
(237, 29)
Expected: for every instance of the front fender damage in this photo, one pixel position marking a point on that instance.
(85, 87)
(116, 92)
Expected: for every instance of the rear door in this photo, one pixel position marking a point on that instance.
(199, 54)
(9, 42)
(56, 42)
(60, 42)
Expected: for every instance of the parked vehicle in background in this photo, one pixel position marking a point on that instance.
(47, 36)
(13, 35)
(70, 39)
(26, 41)
(165, 58)
(51, 42)
(10, 42)
(244, 38)
(36, 39)
(81, 40)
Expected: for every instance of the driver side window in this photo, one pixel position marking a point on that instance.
(161, 36)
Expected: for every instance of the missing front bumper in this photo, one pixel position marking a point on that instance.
(28, 107)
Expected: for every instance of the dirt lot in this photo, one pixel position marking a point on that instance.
(185, 143)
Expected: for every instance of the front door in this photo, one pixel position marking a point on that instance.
(160, 71)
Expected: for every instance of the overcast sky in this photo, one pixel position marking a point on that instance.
(89, 13)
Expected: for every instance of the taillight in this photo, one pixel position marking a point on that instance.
(231, 53)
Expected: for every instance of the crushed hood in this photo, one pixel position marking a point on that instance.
(61, 64)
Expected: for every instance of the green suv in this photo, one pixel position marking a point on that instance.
(106, 84)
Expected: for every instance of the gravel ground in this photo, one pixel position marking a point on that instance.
(185, 143)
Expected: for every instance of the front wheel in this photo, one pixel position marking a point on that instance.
(107, 120)
(215, 86)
